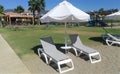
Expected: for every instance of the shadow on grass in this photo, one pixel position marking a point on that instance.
(35, 48)
(98, 39)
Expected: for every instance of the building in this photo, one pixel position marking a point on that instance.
(18, 18)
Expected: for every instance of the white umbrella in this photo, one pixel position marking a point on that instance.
(113, 16)
(65, 12)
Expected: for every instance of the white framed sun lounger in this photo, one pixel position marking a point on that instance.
(51, 53)
(112, 40)
(78, 46)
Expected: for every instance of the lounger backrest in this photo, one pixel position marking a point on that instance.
(113, 37)
(75, 40)
(51, 50)
(47, 44)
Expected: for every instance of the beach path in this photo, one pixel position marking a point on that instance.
(10, 63)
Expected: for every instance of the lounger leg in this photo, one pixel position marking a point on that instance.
(64, 62)
(39, 50)
(42, 53)
(90, 58)
(75, 51)
(46, 59)
(59, 68)
(109, 43)
(49, 60)
(80, 53)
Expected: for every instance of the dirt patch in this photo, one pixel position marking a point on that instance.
(76, 32)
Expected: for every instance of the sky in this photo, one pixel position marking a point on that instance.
(85, 5)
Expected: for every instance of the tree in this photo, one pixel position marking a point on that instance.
(1, 9)
(101, 11)
(36, 5)
(1, 12)
(19, 9)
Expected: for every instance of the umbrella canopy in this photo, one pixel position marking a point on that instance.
(113, 16)
(65, 12)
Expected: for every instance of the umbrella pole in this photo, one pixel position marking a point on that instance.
(65, 34)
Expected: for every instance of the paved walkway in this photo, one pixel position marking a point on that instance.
(10, 63)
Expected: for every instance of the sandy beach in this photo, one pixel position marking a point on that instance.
(110, 63)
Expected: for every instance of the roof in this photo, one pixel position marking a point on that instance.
(13, 14)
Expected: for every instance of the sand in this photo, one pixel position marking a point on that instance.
(110, 63)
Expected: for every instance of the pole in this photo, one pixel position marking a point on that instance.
(65, 35)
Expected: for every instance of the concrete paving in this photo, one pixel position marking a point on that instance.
(10, 63)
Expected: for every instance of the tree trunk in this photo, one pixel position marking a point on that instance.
(38, 21)
(34, 17)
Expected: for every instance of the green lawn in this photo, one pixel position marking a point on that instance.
(24, 40)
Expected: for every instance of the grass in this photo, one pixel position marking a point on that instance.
(25, 39)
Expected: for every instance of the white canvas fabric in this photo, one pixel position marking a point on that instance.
(113, 16)
(65, 12)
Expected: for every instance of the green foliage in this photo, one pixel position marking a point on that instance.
(19, 9)
(36, 5)
(1, 9)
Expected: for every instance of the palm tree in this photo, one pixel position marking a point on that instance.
(36, 5)
(1, 12)
(19, 9)
(101, 11)
(1, 9)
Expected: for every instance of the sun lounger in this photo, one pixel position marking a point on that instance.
(110, 40)
(50, 52)
(78, 46)
(105, 36)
